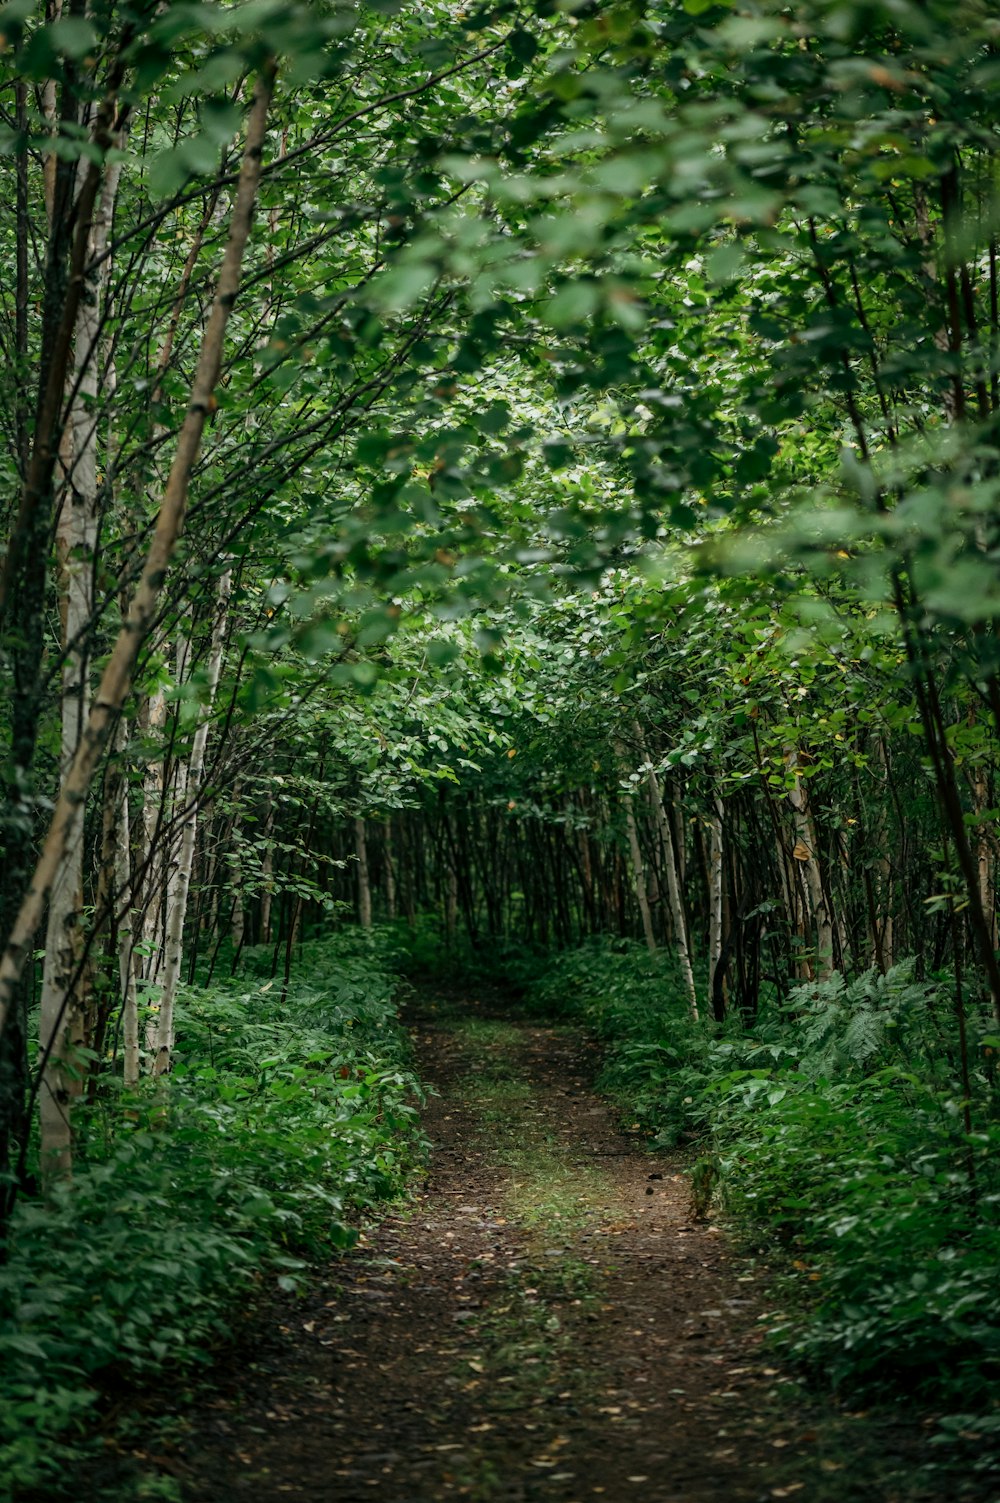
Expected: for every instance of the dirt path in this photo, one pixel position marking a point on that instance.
(548, 1324)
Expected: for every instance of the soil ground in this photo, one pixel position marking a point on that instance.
(548, 1322)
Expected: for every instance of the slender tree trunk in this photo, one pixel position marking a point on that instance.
(806, 853)
(267, 882)
(451, 903)
(237, 912)
(673, 880)
(49, 110)
(581, 819)
(390, 872)
(415, 873)
(177, 910)
(884, 943)
(364, 875)
(639, 873)
(680, 849)
(716, 868)
(153, 811)
(985, 859)
(117, 676)
(22, 283)
(126, 942)
(61, 1005)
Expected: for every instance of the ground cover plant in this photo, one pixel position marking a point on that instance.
(282, 1124)
(833, 1132)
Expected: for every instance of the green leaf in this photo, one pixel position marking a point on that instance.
(72, 36)
(572, 304)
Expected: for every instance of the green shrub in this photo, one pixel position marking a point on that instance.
(657, 1057)
(885, 1211)
(279, 1123)
(425, 953)
(834, 1131)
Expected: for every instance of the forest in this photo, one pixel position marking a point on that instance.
(500, 750)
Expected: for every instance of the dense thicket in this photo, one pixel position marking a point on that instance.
(534, 466)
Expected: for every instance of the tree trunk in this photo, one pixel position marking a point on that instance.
(181, 887)
(985, 859)
(715, 889)
(390, 873)
(673, 879)
(153, 879)
(806, 854)
(639, 872)
(267, 876)
(237, 913)
(364, 875)
(117, 677)
(451, 904)
(126, 942)
(61, 1005)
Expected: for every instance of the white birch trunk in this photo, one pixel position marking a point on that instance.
(50, 114)
(60, 1016)
(181, 885)
(673, 879)
(715, 886)
(639, 873)
(151, 921)
(175, 814)
(126, 945)
(267, 882)
(116, 678)
(124, 877)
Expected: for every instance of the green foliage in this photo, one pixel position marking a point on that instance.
(493, 960)
(838, 1028)
(696, 307)
(281, 1122)
(848, 1150)
(657, 1056)
(833, 1131)
(888, 1212)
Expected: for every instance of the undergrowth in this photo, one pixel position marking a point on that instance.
(501, 962)
(833, 1131)
(280, 1122)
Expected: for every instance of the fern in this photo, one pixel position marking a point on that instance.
(849, 1028)
(865, 1035)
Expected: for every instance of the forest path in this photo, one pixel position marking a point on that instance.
(547, 1324)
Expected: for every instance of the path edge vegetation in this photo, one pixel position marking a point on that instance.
(197, 1200)
(830, 1140)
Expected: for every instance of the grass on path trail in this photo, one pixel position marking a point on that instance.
(546, 1323)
